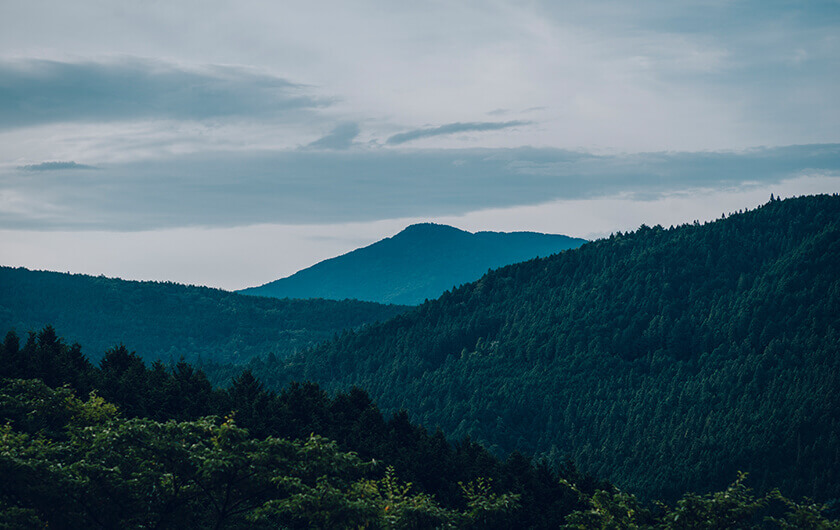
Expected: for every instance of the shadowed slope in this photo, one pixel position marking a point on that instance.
(664, 360)
(168, 320)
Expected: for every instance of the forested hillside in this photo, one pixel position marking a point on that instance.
(167, 321)
(123, 445)
(663, 360)
(278, 472)
(419, 263)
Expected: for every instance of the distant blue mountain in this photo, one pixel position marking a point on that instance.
(419, 263)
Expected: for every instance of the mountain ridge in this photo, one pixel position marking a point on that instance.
(166, 320)
(418, 263)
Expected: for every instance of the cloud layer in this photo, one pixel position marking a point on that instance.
(54, 166)
(631, 76)
(35, 92)
(452, 128)
(340, 138)
(317, 186)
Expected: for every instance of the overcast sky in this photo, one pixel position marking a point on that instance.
(232, 143)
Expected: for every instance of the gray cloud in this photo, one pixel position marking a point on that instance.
(452, 128)
(741, 73)
(308, 186)
(54, 166)
(34, 92)
(340, 138)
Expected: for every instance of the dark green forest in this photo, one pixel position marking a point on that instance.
(125, 445)
(663, 360)
(168, 321)
(452, 483)
(419, 263)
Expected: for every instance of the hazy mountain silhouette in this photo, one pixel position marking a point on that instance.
(165, 320)
(419, 263)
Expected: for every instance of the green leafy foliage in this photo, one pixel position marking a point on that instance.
(435, 468)
(484, 506)
(168, 321)
(735, 508)
(663, 360)
(99, 470)
(72, 463)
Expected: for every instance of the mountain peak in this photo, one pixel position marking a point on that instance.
(430, 228)
(420, 262)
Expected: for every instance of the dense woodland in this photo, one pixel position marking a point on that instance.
(172, 403)
(123, 445)
(168, 321)
(663, 360)
(419, 263)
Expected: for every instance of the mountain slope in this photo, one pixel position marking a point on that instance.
(419, 263)
(662, 360)
(167, 320)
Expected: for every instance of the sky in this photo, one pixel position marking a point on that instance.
(232, 143)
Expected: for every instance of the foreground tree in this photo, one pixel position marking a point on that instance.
(734, 508)
(68, 463)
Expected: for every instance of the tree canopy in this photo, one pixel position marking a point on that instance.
(663, 360)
